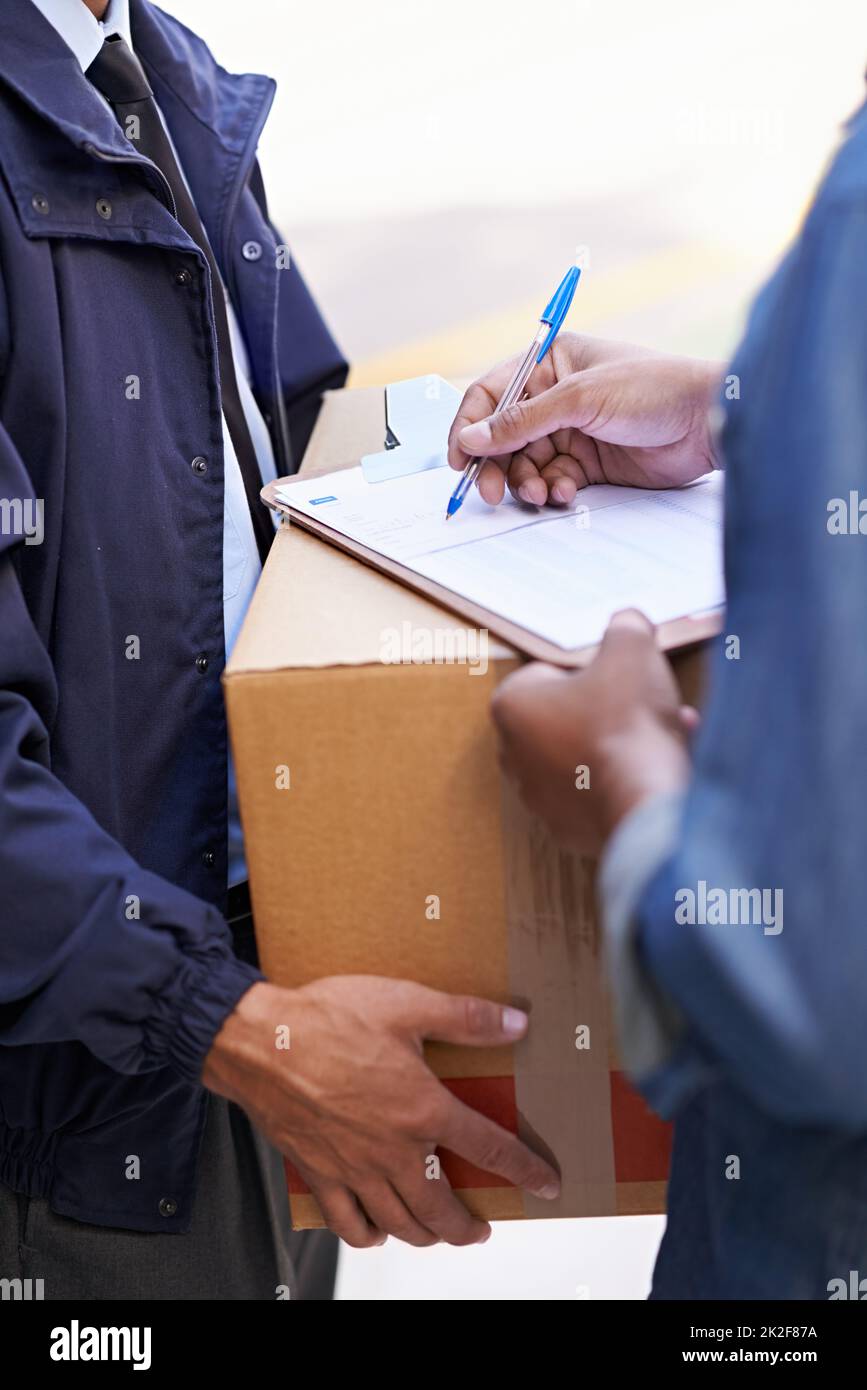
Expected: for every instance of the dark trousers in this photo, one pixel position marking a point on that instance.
(239, 1246)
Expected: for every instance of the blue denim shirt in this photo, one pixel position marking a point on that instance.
(753, 1033)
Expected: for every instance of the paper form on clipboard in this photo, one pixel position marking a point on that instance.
(558, 575)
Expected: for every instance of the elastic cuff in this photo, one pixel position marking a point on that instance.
(209, 989)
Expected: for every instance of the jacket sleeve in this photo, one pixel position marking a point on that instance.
(775, 1005)
(92, 947)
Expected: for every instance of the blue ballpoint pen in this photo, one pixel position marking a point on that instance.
(549, 325)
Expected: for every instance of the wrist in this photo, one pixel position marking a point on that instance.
(629, 780)
(238, 1048)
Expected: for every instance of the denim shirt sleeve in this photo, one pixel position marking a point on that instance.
(650, 1029)
(752, 927)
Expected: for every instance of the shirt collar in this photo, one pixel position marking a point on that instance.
(82, 31)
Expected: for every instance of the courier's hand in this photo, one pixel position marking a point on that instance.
(597, 412)
(586, 747)
(354, 1106)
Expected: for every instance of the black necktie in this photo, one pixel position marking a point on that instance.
(118, 74)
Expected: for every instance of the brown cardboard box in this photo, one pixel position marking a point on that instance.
(382, 840)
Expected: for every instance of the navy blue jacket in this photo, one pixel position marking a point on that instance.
(116, 965)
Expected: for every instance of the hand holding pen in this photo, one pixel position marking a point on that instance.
(597, 411)
(550, 321)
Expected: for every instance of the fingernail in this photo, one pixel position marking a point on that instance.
(631, 618)
(514, 1022)
(548, 1192)
(476, 436)
(535, 492)
(559, 493)
(487, 1236)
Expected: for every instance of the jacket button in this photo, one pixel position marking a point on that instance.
(199, 465)
(251, 250)
(103, 207)
(202, 663)
(168, 1206)
(182, 277)
(209, 859)
(40, 203)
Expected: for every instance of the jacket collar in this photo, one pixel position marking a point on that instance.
(215, 118)
(37, 65)
(190, 84)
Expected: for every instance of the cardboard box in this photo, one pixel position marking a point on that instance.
(382, 839)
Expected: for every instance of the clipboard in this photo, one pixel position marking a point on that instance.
(679, 634)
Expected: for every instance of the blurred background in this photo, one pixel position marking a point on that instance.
(433, 168)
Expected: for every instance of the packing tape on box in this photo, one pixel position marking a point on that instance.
(563, 1093)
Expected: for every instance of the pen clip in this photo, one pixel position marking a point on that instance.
(558, 307)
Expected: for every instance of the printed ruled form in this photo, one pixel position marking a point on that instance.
(558, 574)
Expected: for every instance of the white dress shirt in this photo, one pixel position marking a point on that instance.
(85, 35)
